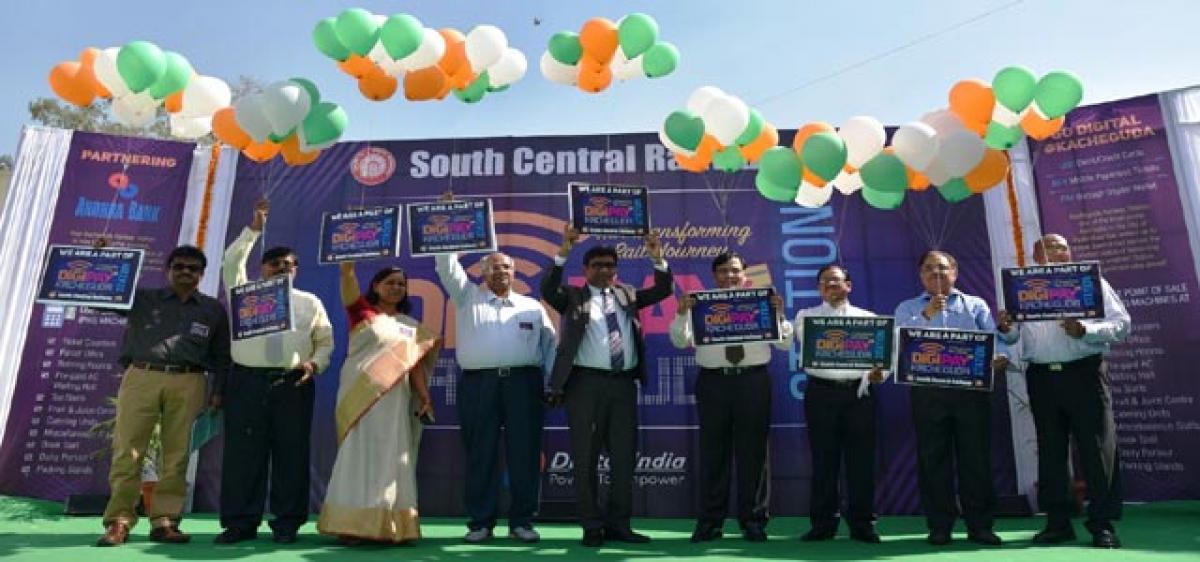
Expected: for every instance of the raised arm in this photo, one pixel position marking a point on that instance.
(349, 284)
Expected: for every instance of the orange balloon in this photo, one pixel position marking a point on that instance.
(768, 138)
(814, 179)
(599, 39)
(261, 151)
(991, 171)
(916, 180)
(67, 80)
(809, 130)
(593, 76)
(226, 129)
(708, 147)
(425, 84)
(289, 149)
(87, 58)
(359, 66)
(972, 101)
(456, 52)
(1039, 128)
(849, 169)
(463, 78)
(694, 163)
(174, 102)
(378, 88)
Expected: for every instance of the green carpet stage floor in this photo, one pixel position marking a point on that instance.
(32, 530)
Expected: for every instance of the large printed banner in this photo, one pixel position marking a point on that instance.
(1107, 183)
(130, 192)
(697, 216)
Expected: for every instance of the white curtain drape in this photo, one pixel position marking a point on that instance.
(218, 214)
(24, 233)
(1181, 116)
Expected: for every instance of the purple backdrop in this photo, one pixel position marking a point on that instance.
(130, 191)
(1107, 183)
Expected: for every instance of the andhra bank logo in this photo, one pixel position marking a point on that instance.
(123, 204)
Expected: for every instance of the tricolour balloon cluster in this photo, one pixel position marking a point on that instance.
(383, 51)
(287, 118)
(139, 77)
(603, 50)
(717, 129)
(1016, 102)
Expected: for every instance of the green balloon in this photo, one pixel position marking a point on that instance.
(175, 78)
(884, 172)
(324, 124)
(825, 155)
(773, 191)
(1013, 87)
(954, 190)
(475, 91)
(1057, 93)
(326, 40)
(357, 30)
(882, 200)
(495, 89)
(565, 47)
(636, 33)
(752, 130)
(779, 166)
(729, 159)
(660, 59)
(314, 95)
(401, 34)
(685, 129)
(141, 64)
(1000, 137)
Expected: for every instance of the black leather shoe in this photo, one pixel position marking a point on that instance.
(1054, 535)
(865, 535)
(984, 536)
(284, 536)
(1105, 538)
(705, 532)
(938, 537)
(234, 535)
(625, 535)
(593, 538)
(816, 534)
(754, 532)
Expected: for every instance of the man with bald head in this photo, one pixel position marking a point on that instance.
(503, 342)
(1070, 394)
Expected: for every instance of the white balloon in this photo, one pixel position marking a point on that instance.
(1006, 116)
(135, 110)
(725, 118)
(812, 196)
(626, 69)
(380, 56)
(186, 127)
(864, 137)
(943, 121)
(431, 49)
(485, 45)
(204, 95)
(916, 144)
(960, 152)
(701, 97)
(847, 183)
(251, 116)
(510, 68)
(105, 68)
(558, 72)
(285, 105)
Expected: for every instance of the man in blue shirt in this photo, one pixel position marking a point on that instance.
(954, 426)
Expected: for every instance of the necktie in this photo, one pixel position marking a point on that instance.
(616, 347)
(735, 353)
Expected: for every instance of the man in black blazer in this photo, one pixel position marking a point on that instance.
(600, 356)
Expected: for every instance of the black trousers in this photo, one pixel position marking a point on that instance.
(954, 430)
(735, 418)
(1075, 399)
(841, 428)
(602, 415)
(267, 425)
(487, 400)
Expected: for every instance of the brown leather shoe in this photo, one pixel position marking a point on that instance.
(114, 534)
(170, 535)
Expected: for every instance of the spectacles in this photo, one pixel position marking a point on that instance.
(936, 268)
(282, 263)
(193, 267)
(603, 265)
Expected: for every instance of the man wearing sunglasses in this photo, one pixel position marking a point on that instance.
(268, 410)
(174, 335)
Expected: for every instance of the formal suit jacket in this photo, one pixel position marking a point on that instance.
(574, 304)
